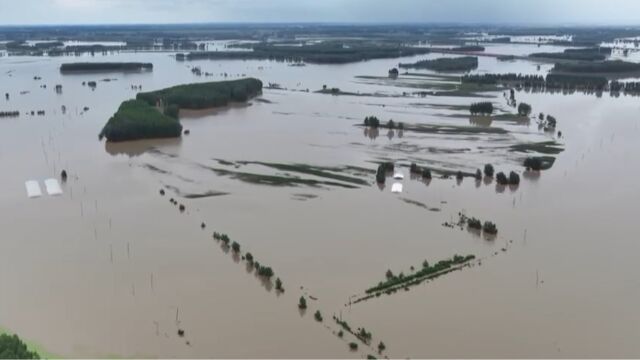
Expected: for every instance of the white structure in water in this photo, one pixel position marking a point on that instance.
(396, 188)
(398, 176)
(33, 189)
(53, 187)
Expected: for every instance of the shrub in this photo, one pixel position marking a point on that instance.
(478, 175)
(318, 316)
(302, 303)
(235, 247)
(353, 346)
(459, 175)
(249, 257)
(426, 174)
(414, 169)
(391, 124)
(381, 346)
(279, 285)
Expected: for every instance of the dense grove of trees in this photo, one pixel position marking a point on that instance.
(583, 82)
(568, 55)
(12, 347)
(484, 108)
(492, 79)
(330, 52)
(136, 119)
(204, 95)
(9, 113)
(474, 48)
(108, 66)
(552, 81)
(464, 63)
(632, 87)
(614, 66)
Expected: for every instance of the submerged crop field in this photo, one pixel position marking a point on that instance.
(318, 191)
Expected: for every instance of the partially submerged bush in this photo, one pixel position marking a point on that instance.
(501, 178)
(490, 228)
(474, 223)
(488, 170)
(514, 178)
(302, 303)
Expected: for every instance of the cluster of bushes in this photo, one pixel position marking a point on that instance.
(136, 119)
(372, 121)
(9, 113)
(464, 63)
(476, 224)
(108, 66)
(12, 347)
(484, 108)
(204, 95)
(513, 179)
(381, 173)
(426, 270)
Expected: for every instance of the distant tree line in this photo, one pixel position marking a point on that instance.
(464, 63)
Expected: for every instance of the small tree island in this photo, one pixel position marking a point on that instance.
(155, 114)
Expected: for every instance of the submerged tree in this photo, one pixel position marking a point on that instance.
(302, 303)
(524, 109)
(488, 170)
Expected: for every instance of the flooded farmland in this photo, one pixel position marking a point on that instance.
(112, 268)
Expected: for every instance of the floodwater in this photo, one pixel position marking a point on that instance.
(111, 268)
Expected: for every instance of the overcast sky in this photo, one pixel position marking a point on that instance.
(616, 12)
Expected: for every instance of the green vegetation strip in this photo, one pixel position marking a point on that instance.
(426, 272)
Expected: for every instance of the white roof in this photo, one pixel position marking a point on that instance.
(53, 187)
(396, 188)
(398, 176)
(33, 189)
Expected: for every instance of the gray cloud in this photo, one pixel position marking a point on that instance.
(181, 11)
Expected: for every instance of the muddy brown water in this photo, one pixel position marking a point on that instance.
(103, 270)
